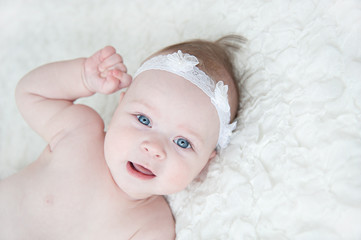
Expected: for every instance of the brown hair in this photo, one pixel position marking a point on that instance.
(216, 59)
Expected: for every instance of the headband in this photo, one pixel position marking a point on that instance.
(184, 65)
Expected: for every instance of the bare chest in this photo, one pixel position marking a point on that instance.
(59, 200)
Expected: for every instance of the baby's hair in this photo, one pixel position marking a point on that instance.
(215, 58)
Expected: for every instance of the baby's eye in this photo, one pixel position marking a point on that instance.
(143, 120)
(183, 143)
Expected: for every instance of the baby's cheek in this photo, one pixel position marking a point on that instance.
(179, 178)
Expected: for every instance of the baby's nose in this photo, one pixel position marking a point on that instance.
(154, 149)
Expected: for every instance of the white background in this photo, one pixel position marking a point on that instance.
(293, 170)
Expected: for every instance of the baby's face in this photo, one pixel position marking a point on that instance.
(161, 136)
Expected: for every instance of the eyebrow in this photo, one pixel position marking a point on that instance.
(146, 105)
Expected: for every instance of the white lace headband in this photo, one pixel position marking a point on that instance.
(184, 65)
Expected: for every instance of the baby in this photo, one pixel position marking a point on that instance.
(88, 184)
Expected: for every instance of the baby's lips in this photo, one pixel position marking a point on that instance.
(139, 171)
(143, 170)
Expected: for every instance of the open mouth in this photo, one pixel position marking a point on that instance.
(139, 171)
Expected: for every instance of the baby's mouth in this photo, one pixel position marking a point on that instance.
(141, 170)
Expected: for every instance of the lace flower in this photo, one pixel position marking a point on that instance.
(220, 101)
(221, 96)
(182, 62)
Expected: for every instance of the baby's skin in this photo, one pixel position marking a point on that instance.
(88, 184)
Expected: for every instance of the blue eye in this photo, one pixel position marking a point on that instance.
(143, 120)
(183, 143)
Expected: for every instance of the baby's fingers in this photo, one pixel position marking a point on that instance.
(124, 78)
(106, 52)
(110, 85)
(111, 62)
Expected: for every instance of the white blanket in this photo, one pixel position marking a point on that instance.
(293, 170)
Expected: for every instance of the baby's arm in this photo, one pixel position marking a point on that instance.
(45, 96)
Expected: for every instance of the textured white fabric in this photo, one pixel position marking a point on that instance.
(293, 166)
(184, 65)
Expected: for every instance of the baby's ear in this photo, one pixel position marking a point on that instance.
(213, 155)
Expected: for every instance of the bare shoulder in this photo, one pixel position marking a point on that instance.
(80, 116)
(78, 121)
(160, 223)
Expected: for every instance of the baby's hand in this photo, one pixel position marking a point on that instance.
(104, 72)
